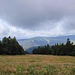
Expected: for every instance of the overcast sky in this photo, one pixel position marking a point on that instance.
(31, 18)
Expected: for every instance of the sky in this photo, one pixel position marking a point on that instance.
(33, 18)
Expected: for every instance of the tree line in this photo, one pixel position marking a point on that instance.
(58, 49)
(10, 46)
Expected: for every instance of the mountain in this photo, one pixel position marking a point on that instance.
(30, 44)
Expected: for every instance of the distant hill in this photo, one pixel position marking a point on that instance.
(29, 44)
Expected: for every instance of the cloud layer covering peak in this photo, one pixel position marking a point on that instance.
(30, 18)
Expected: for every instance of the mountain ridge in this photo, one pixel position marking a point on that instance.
(41, 41)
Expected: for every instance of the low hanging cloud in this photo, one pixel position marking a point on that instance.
(41, 17)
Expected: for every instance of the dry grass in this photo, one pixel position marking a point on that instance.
(10, 63)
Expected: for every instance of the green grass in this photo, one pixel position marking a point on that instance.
(37, 65)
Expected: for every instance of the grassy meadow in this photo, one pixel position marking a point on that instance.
(37, 65)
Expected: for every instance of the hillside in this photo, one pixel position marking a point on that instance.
(29, 44)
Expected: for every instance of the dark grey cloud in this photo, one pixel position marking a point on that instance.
(39, 14)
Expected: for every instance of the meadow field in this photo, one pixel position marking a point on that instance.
(37, 65)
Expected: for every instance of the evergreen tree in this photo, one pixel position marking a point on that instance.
(10, 46)
(68, 47)
(57, 49)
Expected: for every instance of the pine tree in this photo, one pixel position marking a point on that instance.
(10, 46)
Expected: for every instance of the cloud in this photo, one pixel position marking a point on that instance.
(3, 29)
(41, 17)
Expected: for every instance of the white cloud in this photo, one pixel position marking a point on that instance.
(4, 29)
(25, 18)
